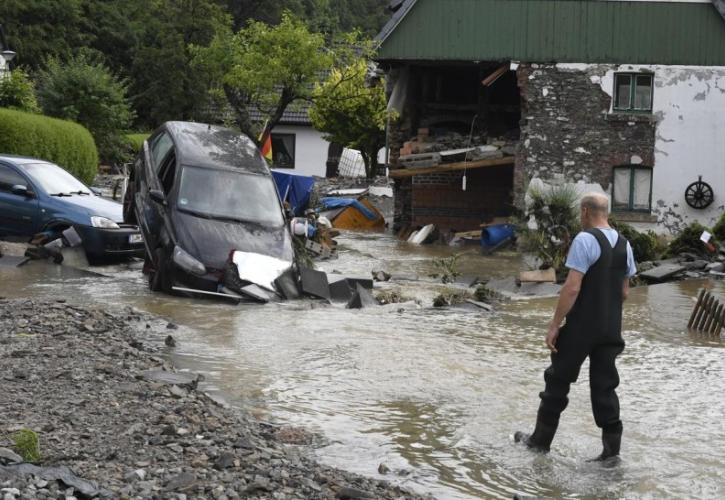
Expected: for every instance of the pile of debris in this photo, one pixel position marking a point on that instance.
(683, 267)
(430, 148)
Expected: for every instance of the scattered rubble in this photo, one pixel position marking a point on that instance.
(115, 420)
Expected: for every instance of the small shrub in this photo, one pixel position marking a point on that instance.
(688, 241)
(18, 92)
(27, 445)
(645, 246)
(718, 230)
(135, 141)
(557, 222)
(68, 144)
(85, 91)
(447, 268)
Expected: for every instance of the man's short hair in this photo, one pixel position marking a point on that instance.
(596, 202)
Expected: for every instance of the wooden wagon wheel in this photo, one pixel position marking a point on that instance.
(699, 194)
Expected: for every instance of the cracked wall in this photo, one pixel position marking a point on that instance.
(570, 133)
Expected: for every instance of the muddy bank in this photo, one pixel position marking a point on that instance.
(87, 382)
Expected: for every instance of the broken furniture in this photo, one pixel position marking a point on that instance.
(352, 214)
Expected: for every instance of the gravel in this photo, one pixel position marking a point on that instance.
(112, 424)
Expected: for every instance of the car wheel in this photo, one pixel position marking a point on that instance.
(129, 205)
(160, 275)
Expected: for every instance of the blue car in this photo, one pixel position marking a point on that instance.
(38, 196)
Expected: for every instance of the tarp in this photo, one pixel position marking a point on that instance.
(294, 189)
(332, 203)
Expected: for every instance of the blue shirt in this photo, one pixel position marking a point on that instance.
(585, 251)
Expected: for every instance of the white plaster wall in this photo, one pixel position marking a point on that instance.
(689, 108)
(3, 64)
(310, 149)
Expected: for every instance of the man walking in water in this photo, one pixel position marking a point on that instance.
(600, 264)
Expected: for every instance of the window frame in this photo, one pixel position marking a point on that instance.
(13, 170)
(294, 149)
(632, 92)
(630, 204)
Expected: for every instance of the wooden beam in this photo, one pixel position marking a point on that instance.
(451, 167)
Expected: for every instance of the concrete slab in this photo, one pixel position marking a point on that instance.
(662, 272)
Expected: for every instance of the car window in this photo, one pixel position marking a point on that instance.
(160, 147)
(53, 179)
(167, 173)
(10, 178)
(228, 194)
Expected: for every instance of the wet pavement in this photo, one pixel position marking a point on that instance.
(435, 394)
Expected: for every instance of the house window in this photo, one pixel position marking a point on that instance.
(633, 92)
(632, 188)
(283, 150)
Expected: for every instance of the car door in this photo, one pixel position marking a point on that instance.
(153, 153)
(18, 213)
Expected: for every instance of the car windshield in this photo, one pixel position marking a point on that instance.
(225, 194)
(54, 180)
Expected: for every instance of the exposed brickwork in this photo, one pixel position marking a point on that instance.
(567, 129)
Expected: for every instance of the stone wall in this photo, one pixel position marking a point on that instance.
(567, 131)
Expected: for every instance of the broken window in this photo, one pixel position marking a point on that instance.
(632, 188)
(283, 150)
(633, 92)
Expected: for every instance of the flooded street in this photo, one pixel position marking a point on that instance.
(435, 394)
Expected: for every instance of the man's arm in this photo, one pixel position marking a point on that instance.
(567, 298)
(625, 289)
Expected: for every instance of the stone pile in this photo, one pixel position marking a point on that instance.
(482, 146)
(114, 420)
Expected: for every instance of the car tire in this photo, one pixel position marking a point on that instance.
(129, 205)
(160, 276)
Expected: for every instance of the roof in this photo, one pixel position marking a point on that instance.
(21, 160)
(295, 114)
(203, 145)
(577, 31)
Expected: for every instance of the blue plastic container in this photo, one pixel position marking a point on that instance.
(493, 235)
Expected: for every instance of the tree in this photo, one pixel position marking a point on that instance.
(352, 112)
(265, 67)
(85, 91)
(164, 84)
(18, 92)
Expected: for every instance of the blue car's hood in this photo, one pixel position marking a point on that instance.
(95, 205)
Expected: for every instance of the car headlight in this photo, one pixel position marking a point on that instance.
(187, 262)
(103, 222)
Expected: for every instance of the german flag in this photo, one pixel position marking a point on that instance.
(265, 139)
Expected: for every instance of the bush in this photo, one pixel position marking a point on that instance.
(85, 91)
(645, 246)
(68, 144)
(18, 92)
(135, 141)
(27, 445)
(718, 230)
(688, 241)
(557, 221)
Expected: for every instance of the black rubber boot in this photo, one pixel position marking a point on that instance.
(540, 440)
(611, 442)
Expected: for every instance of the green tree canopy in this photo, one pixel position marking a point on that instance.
(18, 92)
(265, 67)
(352, 111)
(85, 91)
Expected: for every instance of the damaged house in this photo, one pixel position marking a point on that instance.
(492, 95)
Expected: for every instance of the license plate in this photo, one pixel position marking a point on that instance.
(135, 238)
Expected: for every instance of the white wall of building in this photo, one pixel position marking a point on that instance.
(310, 149)
(689, 108)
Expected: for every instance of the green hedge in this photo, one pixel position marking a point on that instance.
(135, 141)
(65, 143)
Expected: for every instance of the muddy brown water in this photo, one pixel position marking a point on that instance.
(436, 394)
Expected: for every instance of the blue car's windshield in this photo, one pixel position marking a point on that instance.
(226, 194)
(54, 180)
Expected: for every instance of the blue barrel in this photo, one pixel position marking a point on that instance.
(493, 235)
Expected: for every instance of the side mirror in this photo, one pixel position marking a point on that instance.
(157, 196)
(96, 191)
(22, 190)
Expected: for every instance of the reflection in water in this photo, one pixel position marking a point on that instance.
(435, 394)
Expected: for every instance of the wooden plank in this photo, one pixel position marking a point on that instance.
(716, 319)
(696, 309)
(452, 167)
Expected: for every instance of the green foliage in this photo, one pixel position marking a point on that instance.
(68, 144)
(718, 230)
(557, 223)
(645, 246)
(688, 241)
(135, 141)
(27, 445)
(447, 268)
(265, 67)
(85, 91)
(352, 112)
(18, 92)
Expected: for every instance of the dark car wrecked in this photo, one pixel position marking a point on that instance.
(210, 214)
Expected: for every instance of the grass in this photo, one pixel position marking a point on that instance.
(27, 445)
